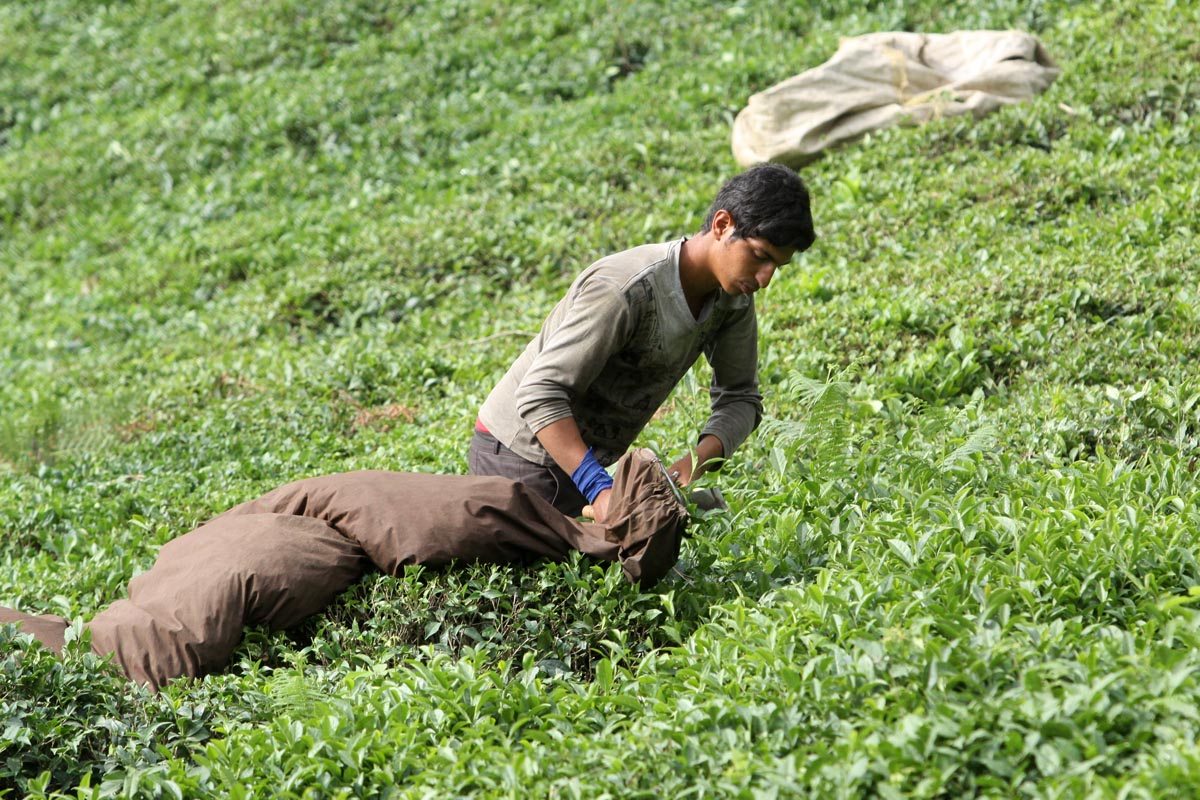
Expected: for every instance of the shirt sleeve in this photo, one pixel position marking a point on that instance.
(594, 325)
(736, 403)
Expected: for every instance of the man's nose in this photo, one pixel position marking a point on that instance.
(764, 275)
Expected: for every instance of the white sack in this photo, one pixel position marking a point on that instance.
(880, 79)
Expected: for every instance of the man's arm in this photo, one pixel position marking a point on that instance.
(565, 445)
(736, 402)
(593, 326)
(707, 454)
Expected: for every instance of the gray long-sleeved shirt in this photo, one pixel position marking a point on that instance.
(613, 349)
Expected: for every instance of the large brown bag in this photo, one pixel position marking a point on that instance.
(275, 560)
(877, 80)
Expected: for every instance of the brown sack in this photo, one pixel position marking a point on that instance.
(646, 516)
(278, 559)
(186, 614)
(880, 79)
(48, 629)
(403, 518)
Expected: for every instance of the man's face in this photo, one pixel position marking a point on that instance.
(743, 266)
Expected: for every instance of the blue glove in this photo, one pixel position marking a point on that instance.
(590, 477)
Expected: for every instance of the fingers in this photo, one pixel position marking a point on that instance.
(681, 471)
(597, 510)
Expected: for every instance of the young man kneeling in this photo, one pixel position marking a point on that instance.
(629, 328)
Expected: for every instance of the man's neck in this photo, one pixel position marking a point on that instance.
(695, 274)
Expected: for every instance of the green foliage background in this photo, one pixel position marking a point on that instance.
(248, 242)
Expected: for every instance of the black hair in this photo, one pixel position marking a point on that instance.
(767, 201)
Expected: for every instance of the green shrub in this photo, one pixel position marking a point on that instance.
(243, 244)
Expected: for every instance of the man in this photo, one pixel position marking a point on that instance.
(630, 326)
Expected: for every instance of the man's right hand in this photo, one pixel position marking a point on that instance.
(598, 510)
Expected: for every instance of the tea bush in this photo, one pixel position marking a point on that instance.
(246, 243)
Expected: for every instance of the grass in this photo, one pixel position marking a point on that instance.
(248, 243)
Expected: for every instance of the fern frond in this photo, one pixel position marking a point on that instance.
(291, 692)
(981, 440)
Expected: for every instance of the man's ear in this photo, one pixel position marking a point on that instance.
(722, 224)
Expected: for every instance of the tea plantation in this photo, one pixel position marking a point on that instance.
(244, 243)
